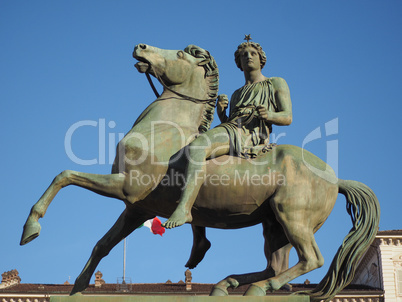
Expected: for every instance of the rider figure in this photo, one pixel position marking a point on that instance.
(254, 107)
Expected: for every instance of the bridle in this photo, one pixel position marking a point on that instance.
(210, 101)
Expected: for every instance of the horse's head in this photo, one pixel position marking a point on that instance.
(182, 69)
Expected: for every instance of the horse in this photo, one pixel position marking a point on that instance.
(287, 189)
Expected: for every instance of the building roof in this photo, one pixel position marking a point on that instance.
(161, 288)
(389, 233)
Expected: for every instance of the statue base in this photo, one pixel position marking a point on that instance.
(175, 298)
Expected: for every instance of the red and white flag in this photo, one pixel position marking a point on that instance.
(155, 226)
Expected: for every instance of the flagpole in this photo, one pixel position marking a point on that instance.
(124, 262)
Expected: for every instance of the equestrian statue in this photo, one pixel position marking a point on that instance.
(228, 177)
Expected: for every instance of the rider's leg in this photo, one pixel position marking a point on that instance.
(212, 143)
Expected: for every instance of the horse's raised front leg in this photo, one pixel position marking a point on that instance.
(200, 246)
(108, 185)
(128, 221)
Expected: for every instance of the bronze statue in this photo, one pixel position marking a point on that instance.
(277, 188)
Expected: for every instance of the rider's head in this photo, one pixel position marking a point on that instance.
(242, 46)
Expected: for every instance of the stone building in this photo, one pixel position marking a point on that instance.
(381, 267)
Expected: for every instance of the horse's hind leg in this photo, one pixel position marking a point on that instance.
(276, 250)
(310, 258)
(200, 246)
(276, 247)
(108, 185)
(124, 226)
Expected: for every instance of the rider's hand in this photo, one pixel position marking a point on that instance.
(262, 113)
(222, 103)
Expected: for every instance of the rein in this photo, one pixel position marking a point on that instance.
(152, 85)
(186, 97)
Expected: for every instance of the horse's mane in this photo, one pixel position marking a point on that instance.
(212, 78)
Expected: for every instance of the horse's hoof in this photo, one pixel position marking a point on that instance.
(218, 291)
(76, 291)
(255, 290)
(31, 231)
(287, 287)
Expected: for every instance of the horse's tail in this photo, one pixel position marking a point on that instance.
(364, 209)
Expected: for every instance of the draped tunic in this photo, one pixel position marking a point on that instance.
(245, 129)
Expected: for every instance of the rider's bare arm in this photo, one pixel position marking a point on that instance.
(221, 106)
(282, 96)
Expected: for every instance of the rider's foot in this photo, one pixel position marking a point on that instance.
(178, 218)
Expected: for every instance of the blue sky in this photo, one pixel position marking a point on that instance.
(63, 62)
